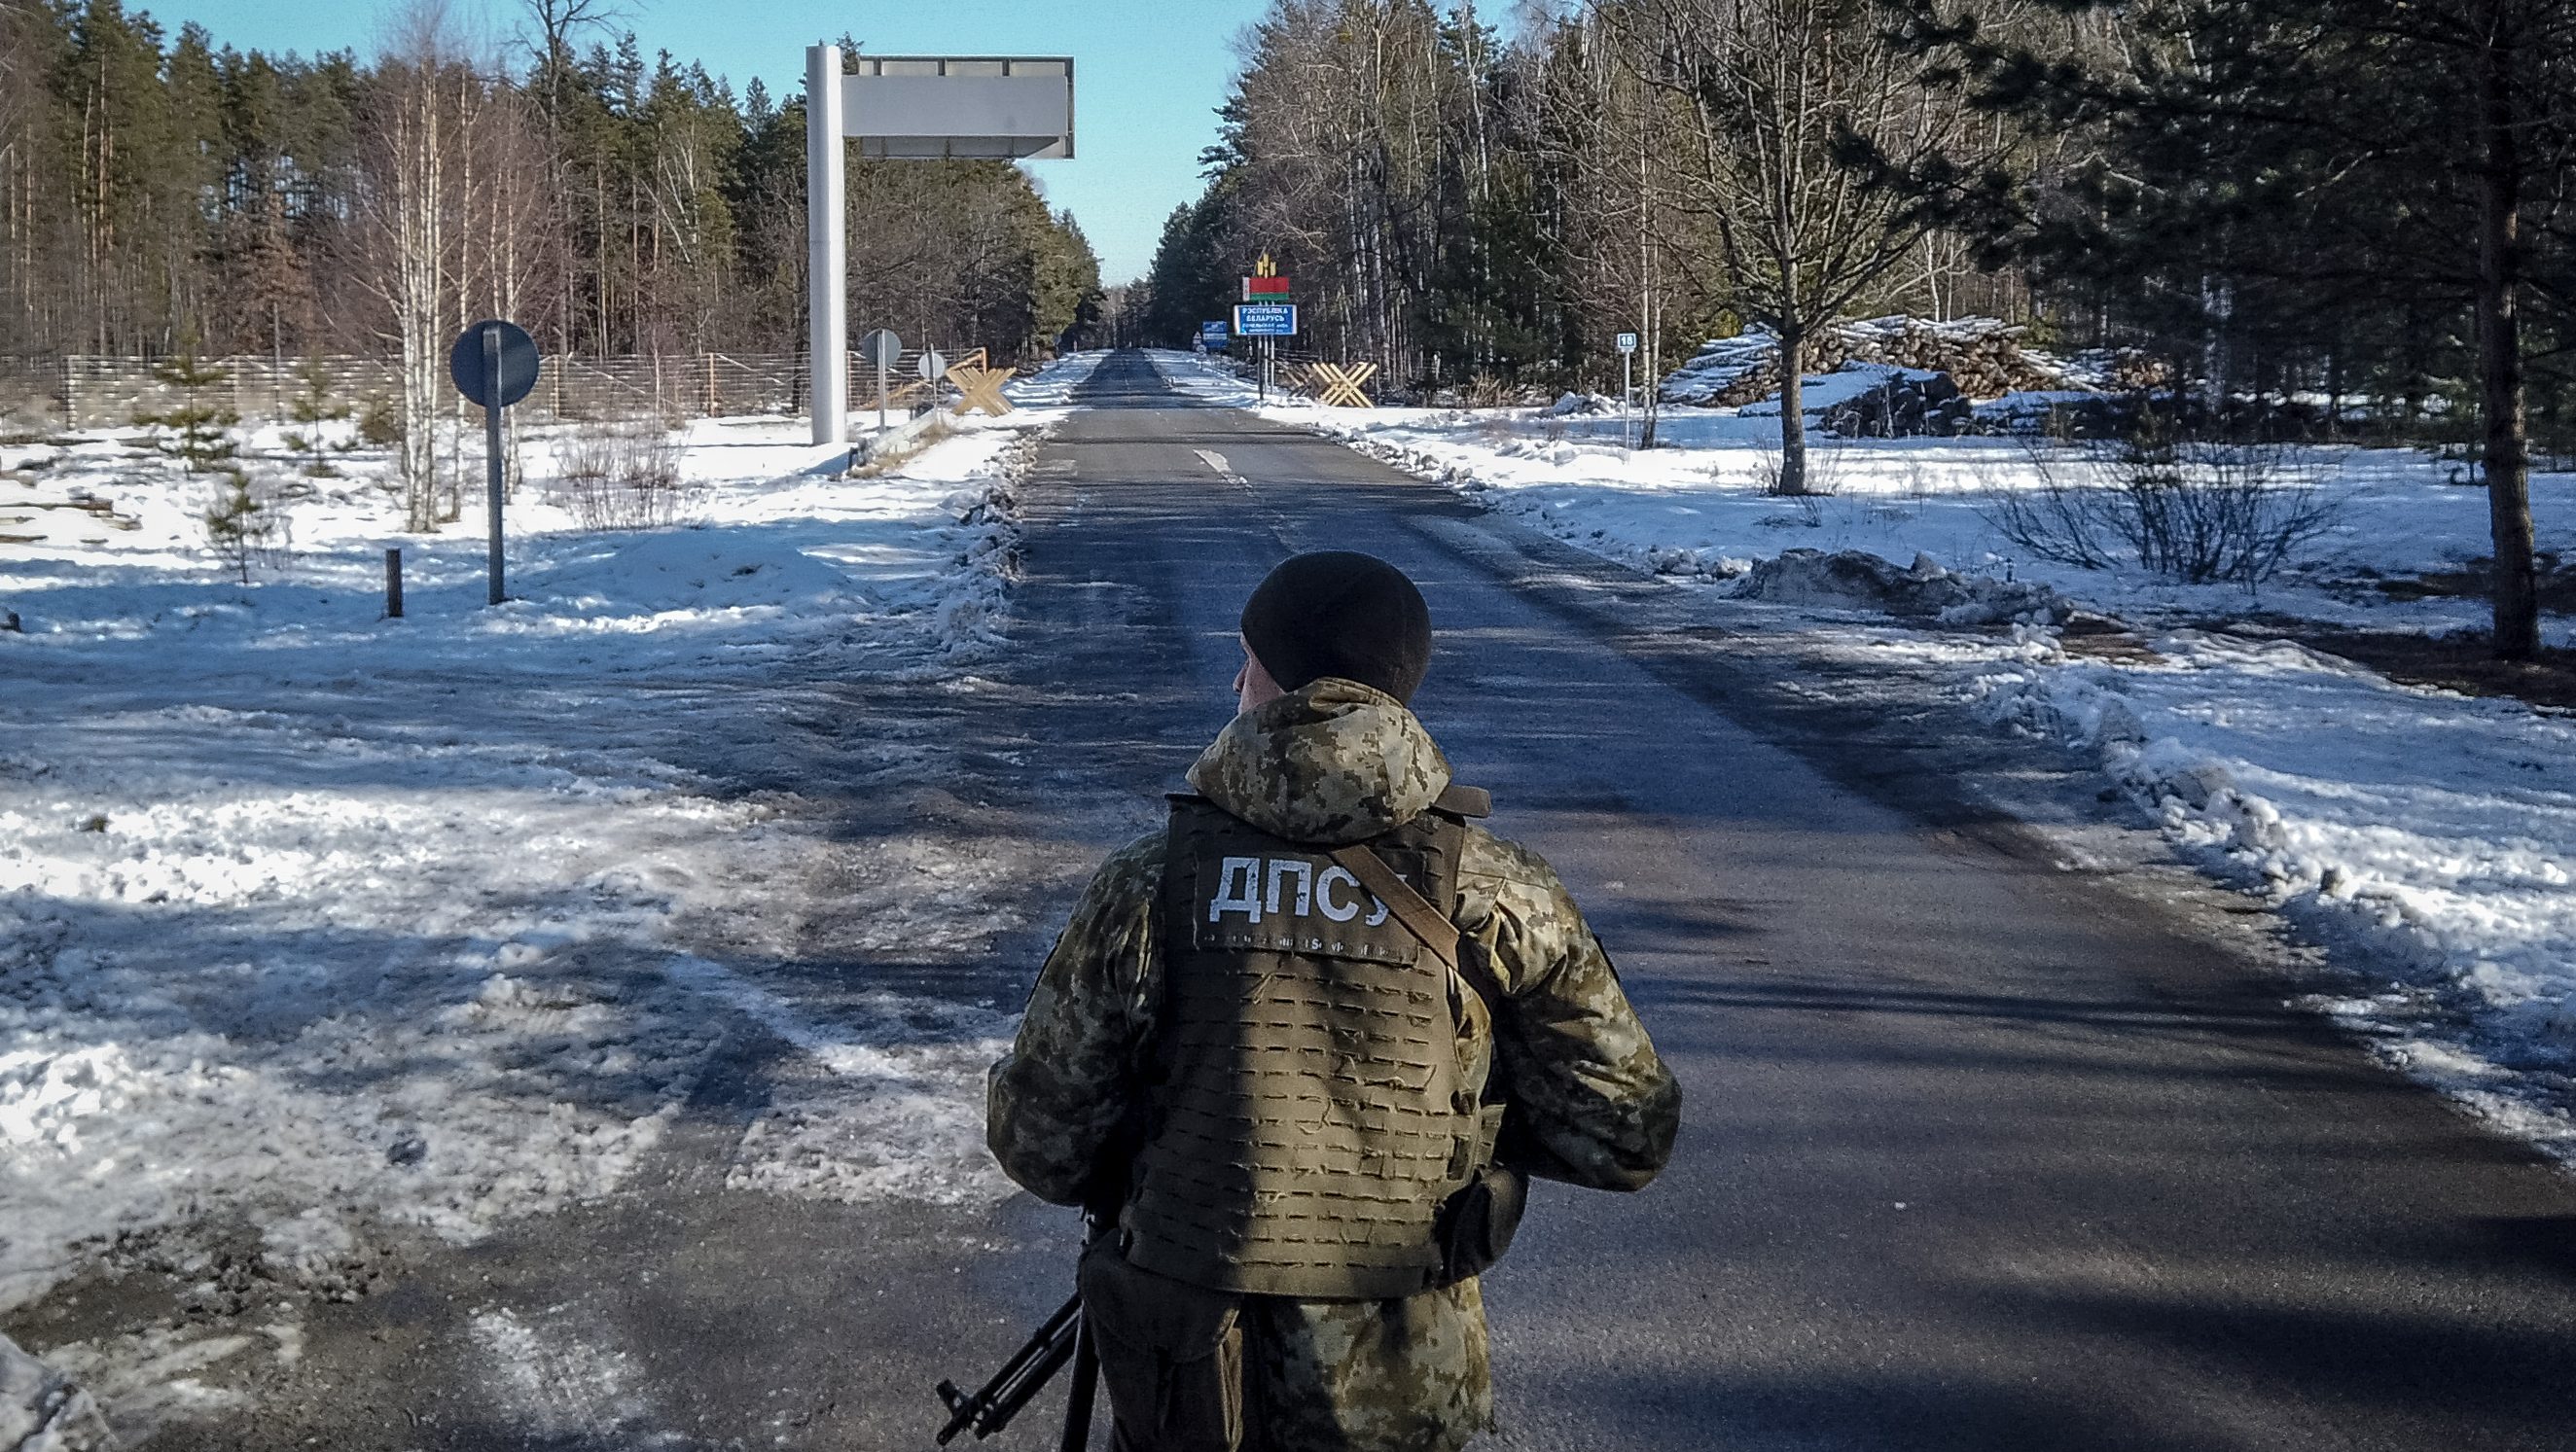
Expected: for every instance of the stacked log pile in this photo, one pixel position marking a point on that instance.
(1984, 358)
(2118, 370)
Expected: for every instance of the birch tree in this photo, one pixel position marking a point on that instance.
(415, 133)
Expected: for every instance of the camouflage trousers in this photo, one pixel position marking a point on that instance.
(1193, 1370)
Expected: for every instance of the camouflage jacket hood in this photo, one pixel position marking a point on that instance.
(1331, 763)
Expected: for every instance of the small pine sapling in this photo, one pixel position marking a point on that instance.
(380, 423)
(197, 433)
(239, 524)
(312, 408)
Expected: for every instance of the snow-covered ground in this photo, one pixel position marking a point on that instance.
(1696, 504)
(2431, 835)
(315, 923)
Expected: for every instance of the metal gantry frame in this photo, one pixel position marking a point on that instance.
(906, 108)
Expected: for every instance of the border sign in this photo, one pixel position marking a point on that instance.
(1266, 320)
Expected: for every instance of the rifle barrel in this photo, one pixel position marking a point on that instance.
(1037, 1361)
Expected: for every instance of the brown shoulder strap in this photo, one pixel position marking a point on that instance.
(1464, 801)
(1420, 918)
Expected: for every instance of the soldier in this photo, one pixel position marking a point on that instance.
(1304, 1044)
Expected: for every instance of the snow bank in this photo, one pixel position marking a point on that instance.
(1052, 386)
(42, 1411)
(1702, 496)
(1853, 580)
(2436, 830)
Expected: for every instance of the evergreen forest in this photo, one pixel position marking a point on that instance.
(166, 192)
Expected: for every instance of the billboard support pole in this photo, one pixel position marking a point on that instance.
(826, 251)
(914, 108)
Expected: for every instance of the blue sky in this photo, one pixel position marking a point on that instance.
(1148, 73)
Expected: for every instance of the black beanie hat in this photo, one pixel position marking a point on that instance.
(1337, 613)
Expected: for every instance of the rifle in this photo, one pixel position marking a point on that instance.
(1063, 1338)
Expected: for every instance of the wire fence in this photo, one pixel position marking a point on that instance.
(86, 391)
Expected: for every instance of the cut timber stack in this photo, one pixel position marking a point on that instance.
(1983, 357)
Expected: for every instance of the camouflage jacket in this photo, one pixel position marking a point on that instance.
(1334, 763)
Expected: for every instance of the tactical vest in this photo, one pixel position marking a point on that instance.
(1311, 1118)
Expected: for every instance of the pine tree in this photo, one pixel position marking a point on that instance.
(313, 407)
(2277, 185)
(238, 524)
(198, 433)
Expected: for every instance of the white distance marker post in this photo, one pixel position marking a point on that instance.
(881, 347)
(1627, 382)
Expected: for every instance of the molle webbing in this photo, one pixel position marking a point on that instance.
(1311, 1119)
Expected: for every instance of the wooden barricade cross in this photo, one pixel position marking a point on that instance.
(982, 387)
(1342, 383)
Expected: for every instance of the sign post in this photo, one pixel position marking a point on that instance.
(881, 347)
(1266, 313)
(1627, 381)
(1268, 322)
(494, 363)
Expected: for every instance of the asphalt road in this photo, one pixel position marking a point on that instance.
(1977, 1154)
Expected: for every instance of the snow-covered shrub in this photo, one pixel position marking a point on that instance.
(623, 475)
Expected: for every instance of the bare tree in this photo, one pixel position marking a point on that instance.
(1600, 129)
(415, 134)
(559, 23)
(21, 103)
(1775, 116)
